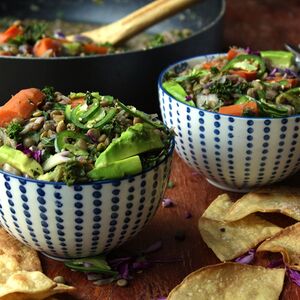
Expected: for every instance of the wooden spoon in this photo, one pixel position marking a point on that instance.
(136, 22)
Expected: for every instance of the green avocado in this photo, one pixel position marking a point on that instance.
(279, 59)
(117, 169)
(137, 139)
(20, 161)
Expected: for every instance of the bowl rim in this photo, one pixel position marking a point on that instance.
(199, 57)
(90, 183)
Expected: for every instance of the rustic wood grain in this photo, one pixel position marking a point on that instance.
(262, 25)
(191, 193)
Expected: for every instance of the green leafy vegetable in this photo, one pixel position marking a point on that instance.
(95, 264)
(193, 74)
(49, 93)
(32, 33)
(13, 130)
(225, 90)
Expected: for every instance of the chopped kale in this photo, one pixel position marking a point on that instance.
(225, 90)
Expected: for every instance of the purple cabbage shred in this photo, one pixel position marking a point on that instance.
(246, 258)
(58, 34)
(188, 215)
(167, 202)
(275, 263)
(294, 276)
(36, 154)
(154, 247)
(253, 52)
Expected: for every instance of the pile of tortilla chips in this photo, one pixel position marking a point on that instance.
(21, 276)
(231, 229)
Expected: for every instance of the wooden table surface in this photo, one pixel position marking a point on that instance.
(261, 24)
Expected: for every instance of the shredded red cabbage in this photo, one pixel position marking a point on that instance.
(294, 276)
(36, 154)
(167, 202)
(275, 263)
(253, 52)
(188, 215)
(246, 258)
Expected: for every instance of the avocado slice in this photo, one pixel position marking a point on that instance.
(137, 139)
(20, 161)
(280, 59)
(117, 169)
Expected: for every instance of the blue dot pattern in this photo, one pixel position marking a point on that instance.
(81, 220)
(232, 152)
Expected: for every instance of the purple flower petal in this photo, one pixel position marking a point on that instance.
(294, 276)
(246, 258)
(275, 263)
(161, 298)
(154, 247)
(167, 202)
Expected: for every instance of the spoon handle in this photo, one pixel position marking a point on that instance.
(137, 21)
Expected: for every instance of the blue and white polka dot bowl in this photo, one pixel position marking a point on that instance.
(81, 220)
(233, 153)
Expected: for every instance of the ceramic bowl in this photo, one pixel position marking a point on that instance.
(233, 153)
(81, 220)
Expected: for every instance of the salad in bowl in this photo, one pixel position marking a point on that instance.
(240, 83)
(78, 138)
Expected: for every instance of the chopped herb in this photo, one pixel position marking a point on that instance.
(32, 33)
(214, 70)
(13, 130)
(49, 93)
(225, 90)
(170, 184)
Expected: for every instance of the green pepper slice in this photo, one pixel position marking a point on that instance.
(247, 62)
(95, 264)
(67, 140)
(137, 113)
(290, 97)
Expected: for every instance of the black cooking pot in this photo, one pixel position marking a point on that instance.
(131, 76)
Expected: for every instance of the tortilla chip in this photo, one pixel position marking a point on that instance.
(230, 281)
(287, 242)
(284, 200)
(16, 256)
(21, 274)
(229, 240)
(31, 285)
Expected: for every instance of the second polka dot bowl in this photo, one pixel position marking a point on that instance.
(233, 153)
(81, 220)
